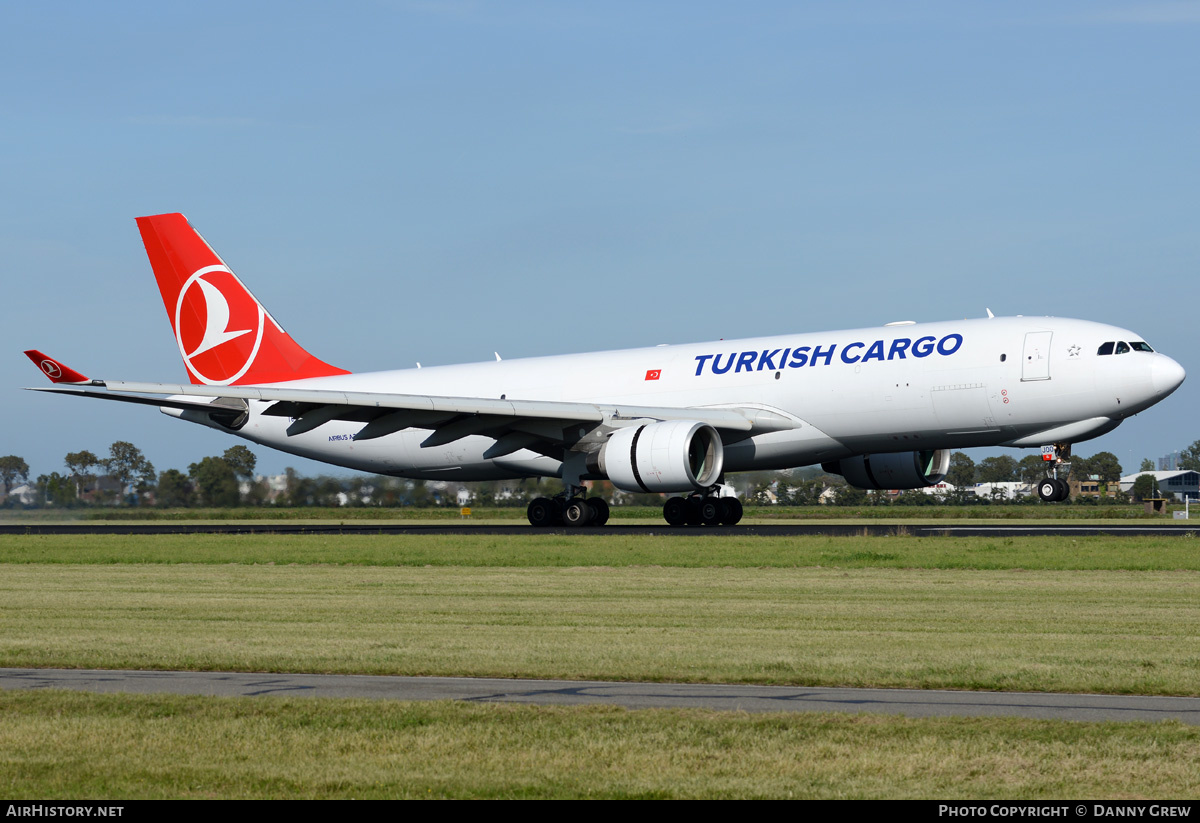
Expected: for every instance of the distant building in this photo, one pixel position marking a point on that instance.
(276, 485)
(25, 494)
(1168, 463)
(1005, 490)
(1176, 484)
(1091, 486)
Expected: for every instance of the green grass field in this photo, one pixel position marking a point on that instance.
(71, 745)
(1118, 615)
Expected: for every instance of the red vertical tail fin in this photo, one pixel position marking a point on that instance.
(225, 336)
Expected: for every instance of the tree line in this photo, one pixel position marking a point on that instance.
(126, 478)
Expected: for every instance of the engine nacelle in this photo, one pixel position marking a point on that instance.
(899, 470)
(668, 456)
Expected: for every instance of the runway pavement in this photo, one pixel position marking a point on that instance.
(788, 529)
(909, 702)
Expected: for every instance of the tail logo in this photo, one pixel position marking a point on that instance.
(213, 316)
(51, 369)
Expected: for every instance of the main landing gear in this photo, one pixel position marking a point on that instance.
(578, 511)
(573, 508)
(702, 510)
(562, 510)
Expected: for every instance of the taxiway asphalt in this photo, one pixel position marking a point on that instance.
(717, 697)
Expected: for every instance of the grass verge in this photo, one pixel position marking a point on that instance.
(63, 745)
(541, 550)
(1086, 614)
(1077, 631)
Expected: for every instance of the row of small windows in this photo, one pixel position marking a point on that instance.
(1122, 347)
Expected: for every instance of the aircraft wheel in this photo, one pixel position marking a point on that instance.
(733, 511)
(692, 507)
(1064, 491)
(675, 511)
(542, 512)
(723, 510)
(599, 510)
(577, 513)
(710, 511)
(1047, 490)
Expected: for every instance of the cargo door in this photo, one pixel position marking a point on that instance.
(1035, 364)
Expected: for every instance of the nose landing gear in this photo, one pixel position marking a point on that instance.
(1052, 489)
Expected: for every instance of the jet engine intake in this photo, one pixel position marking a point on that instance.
(898, 470)
(668, 456)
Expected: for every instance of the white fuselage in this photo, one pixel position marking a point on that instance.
(1021, 381)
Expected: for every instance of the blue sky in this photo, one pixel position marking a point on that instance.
(420, 181)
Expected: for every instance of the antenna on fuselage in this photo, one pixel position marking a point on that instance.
(990, 315)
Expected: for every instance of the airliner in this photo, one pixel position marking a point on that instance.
(883, 407)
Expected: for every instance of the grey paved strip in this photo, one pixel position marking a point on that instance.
(910, 702)
(772, 529)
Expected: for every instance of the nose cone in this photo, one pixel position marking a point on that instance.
(1166, 374)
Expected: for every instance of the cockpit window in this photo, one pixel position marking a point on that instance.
(1138, 345)
(1105, 348)
(1122, 347)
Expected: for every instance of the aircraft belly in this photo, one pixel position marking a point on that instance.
(783, 450)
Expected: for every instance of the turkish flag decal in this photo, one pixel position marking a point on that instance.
(653, 374)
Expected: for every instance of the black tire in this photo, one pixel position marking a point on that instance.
(577, 513)
(1064, 491)
(710, 511)
(734, 511)
(675, 511)
(723, 509)
(693, 507)
(1047, 490)
(599, 510)
(542, 512)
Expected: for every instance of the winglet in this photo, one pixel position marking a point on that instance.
(54, 369)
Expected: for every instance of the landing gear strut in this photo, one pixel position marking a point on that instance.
(702, 509)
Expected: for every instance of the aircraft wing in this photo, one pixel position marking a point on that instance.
(515, 424)
(79, 384)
